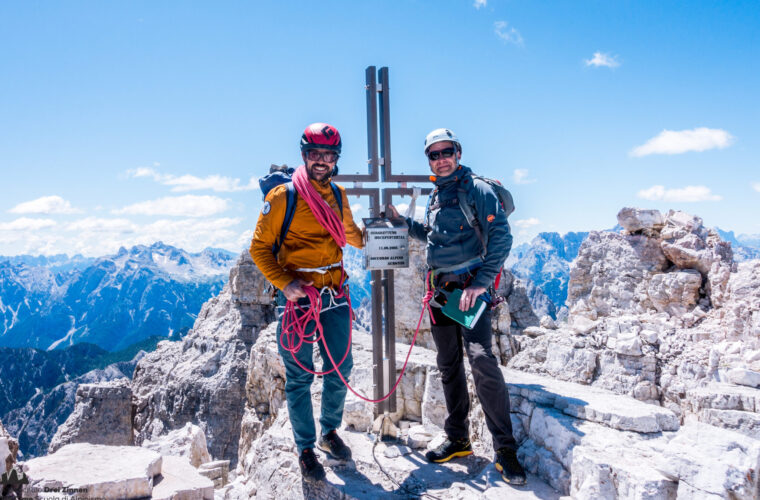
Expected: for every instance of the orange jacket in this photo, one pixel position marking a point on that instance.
(307, 244)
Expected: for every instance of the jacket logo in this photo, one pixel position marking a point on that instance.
(266, 208)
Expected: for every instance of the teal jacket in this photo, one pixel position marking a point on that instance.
(450, 239)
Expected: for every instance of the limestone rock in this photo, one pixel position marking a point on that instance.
(599, 473)
(611, 273)
(419, 436)
(676, 292)
(515, 292)
(217, 471)
(188, 442)
(713, 461)
(637, 220)
(548, 323)
(689, 245)
(107, 405)
(246, 283)
(409, 285)
(8, 450)
(201, 379)
(741, 376)
(181, 481)
(95, 470)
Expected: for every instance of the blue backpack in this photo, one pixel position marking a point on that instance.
(284, 175)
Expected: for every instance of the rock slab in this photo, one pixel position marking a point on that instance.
(93, 470)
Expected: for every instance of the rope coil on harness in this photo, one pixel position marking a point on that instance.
(294, 333)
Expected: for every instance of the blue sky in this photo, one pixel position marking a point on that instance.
(131, 122)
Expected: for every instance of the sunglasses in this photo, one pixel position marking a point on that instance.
(445, 153)
(328, 156)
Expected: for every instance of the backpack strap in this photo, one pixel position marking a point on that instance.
(433, 196)
(290, 210)
(468, 209)
(338, 197)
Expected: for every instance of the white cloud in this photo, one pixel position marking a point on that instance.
(26, 224)
(102, 236)
(45, 205)
(521, 176)
(526, 223)
(479, 3)
(507, 34)
(244, 240)
(100, 225)
(184, 183)
(675, 195)
(756, 186)
(182, 206)
(601, 59)
(671, 142)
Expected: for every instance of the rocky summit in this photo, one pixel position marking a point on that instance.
(649, 389)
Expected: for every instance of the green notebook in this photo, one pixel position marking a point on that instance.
(465, 318)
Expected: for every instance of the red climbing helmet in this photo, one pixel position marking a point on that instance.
(321, 136)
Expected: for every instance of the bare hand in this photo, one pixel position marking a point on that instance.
(392, 212)
(294, 290)
(469, 296)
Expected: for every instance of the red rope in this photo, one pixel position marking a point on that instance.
(294, 333)
(323, 212)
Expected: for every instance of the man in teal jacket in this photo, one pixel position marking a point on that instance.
(456, 256)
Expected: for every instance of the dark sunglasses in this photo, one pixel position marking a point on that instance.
(446, 153)
(328, 156)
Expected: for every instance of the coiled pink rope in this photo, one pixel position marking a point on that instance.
(324, 213)
(294, 335)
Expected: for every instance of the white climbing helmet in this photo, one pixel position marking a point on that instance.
(440, 135)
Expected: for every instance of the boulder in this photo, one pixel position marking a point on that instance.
(689, 245)
(188, 442)
(106, 405)
(94, 470)
(179, 480)
(637, 220)
(611, 274)
(713, 461)
(676, 292)
(742, 376)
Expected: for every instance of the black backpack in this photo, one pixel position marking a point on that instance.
(282, 174)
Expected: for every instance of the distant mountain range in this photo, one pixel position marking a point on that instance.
(112, 302)
(745, 246)
(546, 262)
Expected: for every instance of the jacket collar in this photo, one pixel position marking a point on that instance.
(453, 178)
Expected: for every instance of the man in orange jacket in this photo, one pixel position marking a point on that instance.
(309, 256)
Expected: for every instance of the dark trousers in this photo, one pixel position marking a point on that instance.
(489, 382)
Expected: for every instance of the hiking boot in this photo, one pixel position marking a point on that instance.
(311, 469)
(334, 446)
(511, 470)
(450, 449)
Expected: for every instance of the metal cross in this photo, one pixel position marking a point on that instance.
(378, 124)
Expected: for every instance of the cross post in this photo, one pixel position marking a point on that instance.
(380, 171)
